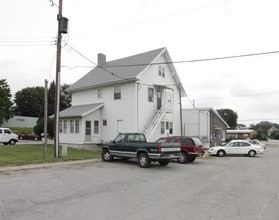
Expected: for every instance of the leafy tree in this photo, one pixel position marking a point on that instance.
(5, 101)
(275, 135)
(30, 102)
(229, 116)
(65, 102)
(260, 134)
(39, 128)
(65, 98)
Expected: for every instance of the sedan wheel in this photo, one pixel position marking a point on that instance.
(221, 153)
(252, 153)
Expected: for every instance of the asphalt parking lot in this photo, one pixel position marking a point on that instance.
(212, 188)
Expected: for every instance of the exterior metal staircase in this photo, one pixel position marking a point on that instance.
(151, 125)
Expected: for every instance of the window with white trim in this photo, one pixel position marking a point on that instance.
(150, 94)
(162, 127)
(60, 126)
(87, 127)
(72, 126)
(99, 93)
(117, 92)
(65, 126)
(76, 126)
(96, 127)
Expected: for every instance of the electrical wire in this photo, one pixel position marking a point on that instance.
(190, 61)
(239, 96)
(199, 60)
(101, 67)
(257, 119)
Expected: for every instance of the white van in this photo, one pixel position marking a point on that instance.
(7, 136)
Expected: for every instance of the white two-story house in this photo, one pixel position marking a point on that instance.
(139, 93)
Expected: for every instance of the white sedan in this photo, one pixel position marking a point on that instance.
(237, 147)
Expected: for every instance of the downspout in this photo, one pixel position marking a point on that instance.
(137, 106)
(180, 106)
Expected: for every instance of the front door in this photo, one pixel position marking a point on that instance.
(159, 99)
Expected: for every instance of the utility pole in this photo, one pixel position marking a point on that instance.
(62, 29)
(45, 121)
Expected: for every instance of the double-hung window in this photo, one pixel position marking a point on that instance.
(150, 94)
(117, 92)
(96, 127)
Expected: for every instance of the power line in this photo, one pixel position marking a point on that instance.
(25, 45)
(261, 119)
(238, 96)
(190, 61)
(91, 61)
(198, 60)
(101, 67)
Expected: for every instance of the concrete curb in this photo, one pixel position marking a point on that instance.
(47, 165)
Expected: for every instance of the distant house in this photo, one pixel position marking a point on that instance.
(205, 123)
(240, 134)
(20, 122)
(140, 93)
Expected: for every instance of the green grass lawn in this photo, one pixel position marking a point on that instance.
(13, 155)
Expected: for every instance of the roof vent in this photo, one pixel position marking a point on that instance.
(101, 59)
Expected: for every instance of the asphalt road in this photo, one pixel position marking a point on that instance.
(217, 188)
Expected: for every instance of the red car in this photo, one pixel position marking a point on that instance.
(190, 149)
(33, 137)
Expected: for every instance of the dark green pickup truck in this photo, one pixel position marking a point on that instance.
(134, 145)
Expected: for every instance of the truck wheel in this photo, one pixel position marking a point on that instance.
(183, 158)
(12, 142)
(143, 160)
(106, 155)
(163, 163)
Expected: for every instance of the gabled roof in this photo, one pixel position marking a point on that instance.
(121, 70)
(80, 110)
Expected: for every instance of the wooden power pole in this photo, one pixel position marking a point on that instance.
(57, 84)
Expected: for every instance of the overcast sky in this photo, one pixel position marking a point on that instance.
(189, 29)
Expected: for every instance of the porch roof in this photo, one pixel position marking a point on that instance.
(80, 110)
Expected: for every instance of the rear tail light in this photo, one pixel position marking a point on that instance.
(159, 147)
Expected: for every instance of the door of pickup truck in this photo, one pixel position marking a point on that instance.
(119, 143)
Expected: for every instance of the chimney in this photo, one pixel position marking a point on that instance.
(101, 59)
